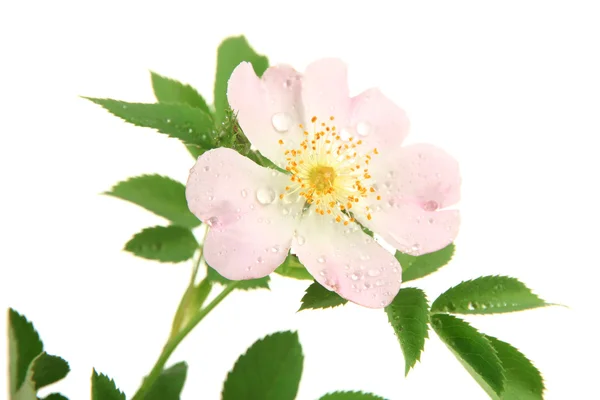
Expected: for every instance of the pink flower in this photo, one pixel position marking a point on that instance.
(345, 164)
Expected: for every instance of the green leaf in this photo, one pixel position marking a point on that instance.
(408, 315)
(293, 268)
(163, 243)
(232, 51)
(473, 350)
(24, 346)
(415, 267)
(180, 121)
(350, 396)
(55, 396)
(269, 370)
(487, 295)
(260, 283)
(104, 388)
(161, 195)
(48, 369)
(169, 384)
(167, 90)
(523, 380)
(317, 296)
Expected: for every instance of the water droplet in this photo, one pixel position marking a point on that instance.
(285, 211)
(379, 282)
(390, 174)
(388, 294)
(206, 168)
(387, 184)
(252, 206)
(365, 257)
(363, 128)
(275, 249)
(321, 259)
(430, 205)
(168, 121)
(346, 267)
(287, 83)
(383, 303)
(124, 106)
(356, 275)
(415, 248)
(368, 240)
(430, 220)
(212, 221)
(265, 195)
(374, 272)
(244, 193)
(260, 260)
(300, 240)
(367, 285)
(249, 268)
(211, 198)
(323, 272)
(395, 270)
(345, 135)
(281, 122)
(190, 130)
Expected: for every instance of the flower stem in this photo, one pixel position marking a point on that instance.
(174, 341)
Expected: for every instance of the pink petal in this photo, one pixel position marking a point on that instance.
(348, 261)
(414, 185)
(251, 228)
(325, 91)
(378, 122)
(268, 109)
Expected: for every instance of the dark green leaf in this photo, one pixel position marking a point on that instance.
(473, 350)
(415, 267)
(48, 369)
(408, 314)
(158, 194)
(24, 346)
(292, 268)
(317, 296)
(167, 90)
(104, 388)
(487, 295)
(169, 384)
(188, 124)
(163, 243)
(55, 396)
(523, 380)
(230, 54)
(350, 396)
(260, 283)
(269, 370)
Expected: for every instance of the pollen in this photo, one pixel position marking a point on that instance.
(327, 170)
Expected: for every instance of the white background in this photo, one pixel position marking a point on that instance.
(511, 88)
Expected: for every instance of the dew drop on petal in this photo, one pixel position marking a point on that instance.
(379, 282)
(206, 168)
(275, 249)
(430, 220)
(281, 122)
(249, 268)
(363, 128)
(212, 221)
(430, 205)
(323, 272)
(265, 195)
(321, 259)
(374, 272)
(300, 240)
(285, 211)
(260, 260)
(244, 193)
(356, 275)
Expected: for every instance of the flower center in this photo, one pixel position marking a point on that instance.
(322, 178)
(330, 170)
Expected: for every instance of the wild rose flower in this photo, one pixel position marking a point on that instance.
(345, 165)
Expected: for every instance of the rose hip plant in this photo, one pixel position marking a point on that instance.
(295, 177)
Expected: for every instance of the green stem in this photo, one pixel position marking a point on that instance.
(174, 341)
